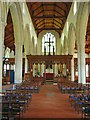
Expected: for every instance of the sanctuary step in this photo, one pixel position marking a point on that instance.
(49, 82)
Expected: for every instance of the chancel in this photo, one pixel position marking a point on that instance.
(46, 51)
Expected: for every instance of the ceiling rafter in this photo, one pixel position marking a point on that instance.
(60, 8)
(56, 25)
(40, 25)
(63, 16)
(43, 14)
(10, 35)
(58, 22)
(9, 42)
(39, 12)
(51, 28)
(34, 10)
(48, 16)
(38, 22)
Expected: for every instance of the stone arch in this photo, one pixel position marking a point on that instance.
(71, 39)
(17, 19)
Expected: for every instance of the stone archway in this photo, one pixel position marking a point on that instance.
(16, 14)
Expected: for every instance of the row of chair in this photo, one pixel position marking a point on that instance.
(72, 87)
(81, 103)
(33, 86)
(16, 101)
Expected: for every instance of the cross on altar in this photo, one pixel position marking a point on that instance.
(49, 42)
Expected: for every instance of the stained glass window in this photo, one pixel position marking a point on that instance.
(48, 43)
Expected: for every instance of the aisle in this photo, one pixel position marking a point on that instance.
(50, 103)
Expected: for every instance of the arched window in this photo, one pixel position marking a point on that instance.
(48, 44)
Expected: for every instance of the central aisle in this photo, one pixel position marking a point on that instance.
(50, 103)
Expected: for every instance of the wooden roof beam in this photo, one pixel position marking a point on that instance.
(60, 8)
(38, 22)
(58, 22)
(64, 16)
(34, 10)
(38, 13)
(9, 36)
(9, 40)
(51, 28)
(48, 16)
(41, 24)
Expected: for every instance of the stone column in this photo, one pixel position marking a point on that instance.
(72, 63)
(34, 70)
(56, 69)
(42, 69)
(2, 27)
(53, 68)
(81, 27)
(18, 63)
(39, 69)
(82, 65)
(72, 69)
(26, 65)
(79, 72)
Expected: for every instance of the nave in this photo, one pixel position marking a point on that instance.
(35, 99)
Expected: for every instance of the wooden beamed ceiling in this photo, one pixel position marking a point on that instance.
(49, 15)
(45, 16)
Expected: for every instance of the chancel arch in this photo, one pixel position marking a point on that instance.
(39, 44)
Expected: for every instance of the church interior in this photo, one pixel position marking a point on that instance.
(45, 59)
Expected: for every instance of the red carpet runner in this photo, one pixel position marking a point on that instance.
(50, 103)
